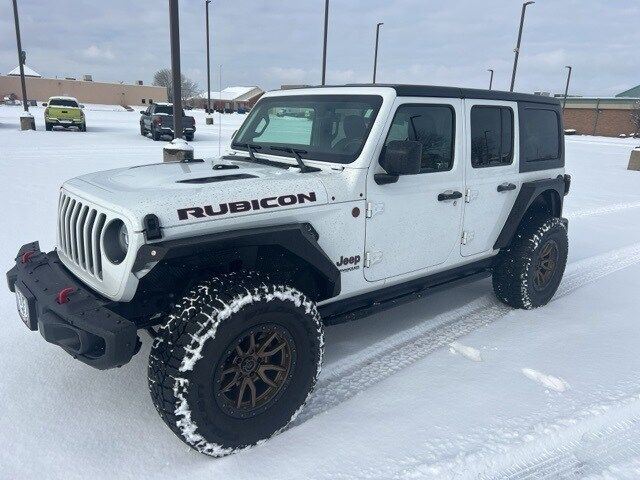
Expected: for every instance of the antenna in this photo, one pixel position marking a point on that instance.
(220, 114)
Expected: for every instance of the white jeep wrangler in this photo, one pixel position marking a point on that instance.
(332, 203)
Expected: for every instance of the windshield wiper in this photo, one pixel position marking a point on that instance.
(296, 153)
(250, 148)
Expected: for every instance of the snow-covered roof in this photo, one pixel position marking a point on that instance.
(28, 72)
(60, 97)
(231, 93)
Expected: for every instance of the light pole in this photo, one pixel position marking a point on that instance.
(490, 78)
(206, 6)
(375, 56)
(26, 121)
(566, 88)
(324, 48)
(174, 27)
(178, 149)
(517, 50)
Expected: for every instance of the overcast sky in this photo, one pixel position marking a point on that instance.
(268, 43)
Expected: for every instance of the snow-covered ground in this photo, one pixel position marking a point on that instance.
(453, 386)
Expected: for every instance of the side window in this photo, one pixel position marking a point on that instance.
(491, 136)
(433, 125)
(541, 134)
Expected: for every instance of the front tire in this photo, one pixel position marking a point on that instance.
(154, 134)
(235, 361)
(48, 126)
(528, 273)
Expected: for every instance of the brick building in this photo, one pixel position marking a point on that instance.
(607, 116)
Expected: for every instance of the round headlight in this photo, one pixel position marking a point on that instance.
(116, 241)
(123, 238)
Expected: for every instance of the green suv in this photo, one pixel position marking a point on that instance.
(64, 112)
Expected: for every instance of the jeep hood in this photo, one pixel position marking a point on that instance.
(168, 189)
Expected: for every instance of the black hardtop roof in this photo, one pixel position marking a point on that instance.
(456, 92)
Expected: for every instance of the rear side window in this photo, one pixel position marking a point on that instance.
(491, 136)
(541, 134)
(433, 126)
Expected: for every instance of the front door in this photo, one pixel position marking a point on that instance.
(492, 180)
(415, 223)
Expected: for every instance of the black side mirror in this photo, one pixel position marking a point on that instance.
(399, 157)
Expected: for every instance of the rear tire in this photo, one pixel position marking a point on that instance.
(207, 364)
(528, 273)
(48, 126)
(189, 137)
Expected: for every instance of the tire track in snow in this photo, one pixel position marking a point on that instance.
(382, 359)
(588, 447)
(601, 434)
(616, 207)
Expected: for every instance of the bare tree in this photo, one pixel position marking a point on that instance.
(163, 78)
(635, 118)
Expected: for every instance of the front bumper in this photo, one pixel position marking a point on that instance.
(79, 321)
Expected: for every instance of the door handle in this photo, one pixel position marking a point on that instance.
(505, 187)
(449, 195)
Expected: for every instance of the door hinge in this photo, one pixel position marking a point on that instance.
(371, 258)
(470, 195)
(374, 209)
(467, 237)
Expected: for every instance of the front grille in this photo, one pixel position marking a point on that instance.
(80, 226)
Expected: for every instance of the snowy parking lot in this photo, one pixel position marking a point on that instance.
(453, 386)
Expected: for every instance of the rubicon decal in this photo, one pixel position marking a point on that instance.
(245, 206)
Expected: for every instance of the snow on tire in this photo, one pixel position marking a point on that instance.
(235, 361)
(528, 273)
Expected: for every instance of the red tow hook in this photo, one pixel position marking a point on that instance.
(26, 256)
(63, 295)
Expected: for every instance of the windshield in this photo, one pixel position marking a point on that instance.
(63, 102)
(330, 128)
(165, 109)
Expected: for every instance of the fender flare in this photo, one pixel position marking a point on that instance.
(299, 239)
(529, 192)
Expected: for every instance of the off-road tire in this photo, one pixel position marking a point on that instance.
(197, 339)
(48, 126)
(143, 132)
(189, 137)
(83, 127)
(515, 280)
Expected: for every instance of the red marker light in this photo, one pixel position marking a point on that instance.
(63, 295)
(26, 256)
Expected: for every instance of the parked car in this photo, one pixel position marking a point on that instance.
(64, 112)
(157, 120)
(371, 197)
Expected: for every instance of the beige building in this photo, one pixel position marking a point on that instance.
(86, 91)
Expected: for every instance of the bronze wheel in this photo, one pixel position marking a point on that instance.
(255, 370)
(545, 265)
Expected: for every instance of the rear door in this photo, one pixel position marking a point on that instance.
(415, 223)
(491, 175)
